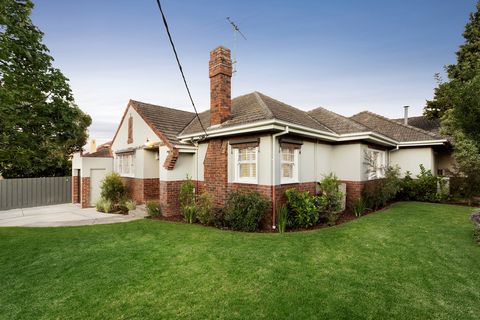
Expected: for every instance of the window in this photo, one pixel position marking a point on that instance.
(125, 164)
(376, 164)
(246, 165)
(289, 165)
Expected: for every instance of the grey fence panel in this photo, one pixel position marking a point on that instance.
(31, 192)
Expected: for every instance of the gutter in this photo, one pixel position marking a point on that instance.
(274, 139)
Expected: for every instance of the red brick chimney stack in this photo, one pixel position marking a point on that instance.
(220, 72)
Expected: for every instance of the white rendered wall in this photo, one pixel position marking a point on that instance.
(409, 159)
(347, 161)
(141, 132)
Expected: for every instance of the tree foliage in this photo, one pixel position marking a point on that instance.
(457, 103)
(466, 68)
(40, 125)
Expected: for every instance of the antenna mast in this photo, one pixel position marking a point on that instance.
(236, 30)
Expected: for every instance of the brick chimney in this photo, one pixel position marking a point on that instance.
(220, 72)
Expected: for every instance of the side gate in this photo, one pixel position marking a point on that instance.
(32, 192)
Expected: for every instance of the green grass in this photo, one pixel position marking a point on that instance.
(413, 260)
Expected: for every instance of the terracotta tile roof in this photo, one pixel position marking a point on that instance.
(170, 122)
(393, 129)
(422, 122)
(255, 107)
(336, 122)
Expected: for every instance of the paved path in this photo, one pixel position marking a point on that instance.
(61, 215)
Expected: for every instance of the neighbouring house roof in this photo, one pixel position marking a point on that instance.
(422, 122)
(393, 129)
(336, 122)
(100, 153)
(255, 107)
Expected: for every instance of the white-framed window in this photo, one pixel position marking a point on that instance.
(246, 165)
(289, 165)
(376, 164)
(126, 164)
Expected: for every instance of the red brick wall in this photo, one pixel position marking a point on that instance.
(169, 193)
(216, 170)
(354, 190)
(85, 194)
(75, 190)
(142, 190)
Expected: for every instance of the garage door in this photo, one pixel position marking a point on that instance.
(96, 177)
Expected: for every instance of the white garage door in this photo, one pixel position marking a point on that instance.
(96, 177)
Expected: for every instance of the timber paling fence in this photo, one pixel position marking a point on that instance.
(32, 192)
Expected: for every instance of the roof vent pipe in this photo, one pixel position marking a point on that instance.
(405, 116)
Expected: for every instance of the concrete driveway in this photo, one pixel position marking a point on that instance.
(60, 215)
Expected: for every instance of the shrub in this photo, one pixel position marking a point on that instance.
(153, 209)
(122, 206)
(205, 212)
(407, 187)
(99, 205)
(244, 210)
(107, 206)
(359, 207)
(282, 216)
(377, 194)
(131, 205)
(425, 186)
(189, 213)
(113, 188)
(302, 207)
(186, 196)
(329, 200)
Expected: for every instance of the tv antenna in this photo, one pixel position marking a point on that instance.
(236, 30)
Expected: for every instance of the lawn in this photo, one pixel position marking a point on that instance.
(413, 260)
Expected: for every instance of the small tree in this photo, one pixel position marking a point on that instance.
(186, 196)
(330, 199)
(113, 188)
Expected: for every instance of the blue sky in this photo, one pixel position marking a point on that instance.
(345, 55)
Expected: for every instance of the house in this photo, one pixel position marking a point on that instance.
(251, 142)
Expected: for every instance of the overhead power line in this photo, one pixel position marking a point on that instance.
(165, 23)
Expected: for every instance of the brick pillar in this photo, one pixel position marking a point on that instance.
(354, 192)
(75, 190)
(220, 72)
(216, 171)
(85, 194)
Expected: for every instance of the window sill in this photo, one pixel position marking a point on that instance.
(246, 181)
(289, 182)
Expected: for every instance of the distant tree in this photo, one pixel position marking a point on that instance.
(40, 125)
(466, 68)
(457, 103)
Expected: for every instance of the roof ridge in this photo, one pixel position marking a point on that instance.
(339, 115)
(317, 121)
(263, 104)
(294, 108)
(399, 123)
